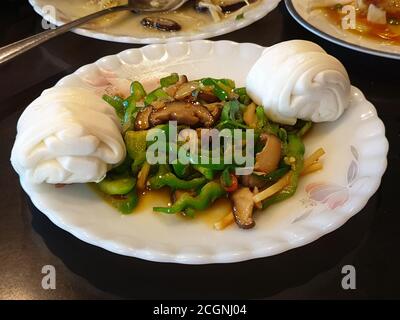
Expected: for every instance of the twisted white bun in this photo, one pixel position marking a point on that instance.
(298, 80)
(67, 135)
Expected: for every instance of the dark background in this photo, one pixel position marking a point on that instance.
(28, 240)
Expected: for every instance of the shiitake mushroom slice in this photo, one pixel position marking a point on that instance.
(162, 24)
(184, 113)
(243, 205)
(233, 7)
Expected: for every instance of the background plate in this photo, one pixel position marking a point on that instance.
(318, 24)
(353, 166)
(124, 31)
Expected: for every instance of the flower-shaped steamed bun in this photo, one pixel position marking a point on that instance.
(67, 135)
(298, 80)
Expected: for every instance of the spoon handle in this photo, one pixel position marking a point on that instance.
(12, 50)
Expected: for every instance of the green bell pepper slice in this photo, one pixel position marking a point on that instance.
(295, 150)
(136, 146)
(117, 186)
(117, 103)
(226, 177)
(208, 194)
(305, 128)
(137, 91)
(243, 96)
(125, 203)
(169, 80)
(172, 181)
(181, 170)
(155, 95)
(130, 110)
(275, 175)
(207, 172)
(220, 93)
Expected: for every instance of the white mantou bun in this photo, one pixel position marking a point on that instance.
(67, 135)
(298, 80)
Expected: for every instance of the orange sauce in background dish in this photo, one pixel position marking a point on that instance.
(389, 33)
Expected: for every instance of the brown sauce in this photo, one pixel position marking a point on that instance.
(161, 198)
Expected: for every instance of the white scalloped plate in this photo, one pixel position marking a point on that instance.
(316, 22)
(125, 30)
(353, 166)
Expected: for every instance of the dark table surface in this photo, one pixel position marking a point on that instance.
(28, 240)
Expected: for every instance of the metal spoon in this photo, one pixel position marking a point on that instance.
(14, 49)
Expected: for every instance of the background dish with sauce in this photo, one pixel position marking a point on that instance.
(126, 26)
(324, 20)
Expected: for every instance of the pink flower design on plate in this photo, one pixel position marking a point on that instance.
(96, 78)
(332, 195)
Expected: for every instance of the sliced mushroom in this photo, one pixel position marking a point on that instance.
(253, 181)
(142, 118)
(182, 79)
(268, 158)
(208, 96)
(243, 205)
(162, 24)
(184, 113)
(228, 6)
(171, 90)
(186, 89)
(158, 104)
(215, 109)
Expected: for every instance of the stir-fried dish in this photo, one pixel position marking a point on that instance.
(207, 106)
